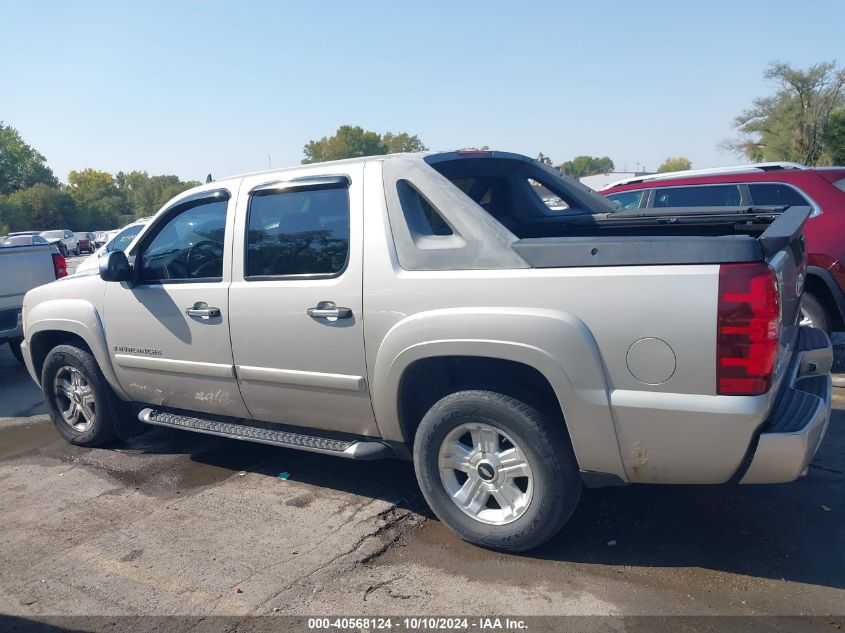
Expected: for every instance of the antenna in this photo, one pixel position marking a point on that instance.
(269, 164)
(208, 178)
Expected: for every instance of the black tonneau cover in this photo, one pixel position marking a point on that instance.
(749, 235)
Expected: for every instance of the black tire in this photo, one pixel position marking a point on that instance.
(15, 346)
(813, 310)
(102, 430)
(62, 249)
(543, 440)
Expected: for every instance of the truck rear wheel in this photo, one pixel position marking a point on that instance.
(495, 470)
(78, 398)
(813, 313)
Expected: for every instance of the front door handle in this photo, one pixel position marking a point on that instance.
(328, 310)
(202, 310)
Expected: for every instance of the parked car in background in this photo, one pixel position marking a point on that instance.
(20, 233)
(100, 238)
(85, 242)
(64, 240)
(117, 241)
(769, 185)
(26, 261)
(23, 240)
(434, 307)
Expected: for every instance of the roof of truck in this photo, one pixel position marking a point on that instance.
(340, 162)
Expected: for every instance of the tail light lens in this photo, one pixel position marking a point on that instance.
(748, 329)
(59, 265)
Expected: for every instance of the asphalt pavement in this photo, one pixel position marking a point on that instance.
(178, 523)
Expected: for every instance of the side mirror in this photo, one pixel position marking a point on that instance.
(115, 267)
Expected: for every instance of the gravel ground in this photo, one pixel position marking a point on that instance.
(174, 523)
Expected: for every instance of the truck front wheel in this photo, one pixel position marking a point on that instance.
(496, 470)
(77, 396)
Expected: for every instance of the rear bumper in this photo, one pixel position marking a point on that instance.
(27, 361)
(798, 421)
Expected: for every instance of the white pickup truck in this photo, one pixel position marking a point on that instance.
(26, 262)
(439, 308)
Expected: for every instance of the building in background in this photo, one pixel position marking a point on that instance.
(598, 182)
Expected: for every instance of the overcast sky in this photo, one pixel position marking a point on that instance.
(192, 88)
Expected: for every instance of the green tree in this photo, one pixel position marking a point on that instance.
(581, 166)
(38, 208)
(678, 163)
(834, 139)
(353, 142)
(21, 166)
(402, 142)
(791, 124)
(99, 201)
(146, 194)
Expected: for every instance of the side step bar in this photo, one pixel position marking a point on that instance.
(354, 449)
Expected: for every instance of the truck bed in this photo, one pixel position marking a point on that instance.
(21, 269)
(703, 236)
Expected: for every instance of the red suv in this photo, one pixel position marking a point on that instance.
(766, 184)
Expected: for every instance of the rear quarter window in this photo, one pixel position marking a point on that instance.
(554, 203)
(422, 217)
(776, 195)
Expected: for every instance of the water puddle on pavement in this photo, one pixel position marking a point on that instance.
(157, 463)
(24, 438)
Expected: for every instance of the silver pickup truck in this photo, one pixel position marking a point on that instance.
(26, 261)
(499, 324)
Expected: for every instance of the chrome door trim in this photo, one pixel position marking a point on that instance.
(298, 378)
(169, 365)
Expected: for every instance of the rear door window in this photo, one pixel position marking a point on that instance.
(698, 196)
(298, 233)
(776, 195)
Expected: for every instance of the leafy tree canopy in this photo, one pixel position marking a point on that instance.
(21, 166)
(581, 166)
(353, 142)
(834, 139)
(32, 199)
(38, 208)
(799, 121)
(678, 163)
(146, 194)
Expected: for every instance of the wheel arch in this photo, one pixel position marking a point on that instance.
(552, 356)
(71, 322)
(823, 286)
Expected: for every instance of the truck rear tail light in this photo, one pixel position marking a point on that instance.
(748, 331)
(59, 265)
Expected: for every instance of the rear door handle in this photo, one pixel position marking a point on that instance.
(202, 310)
(328, 310)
